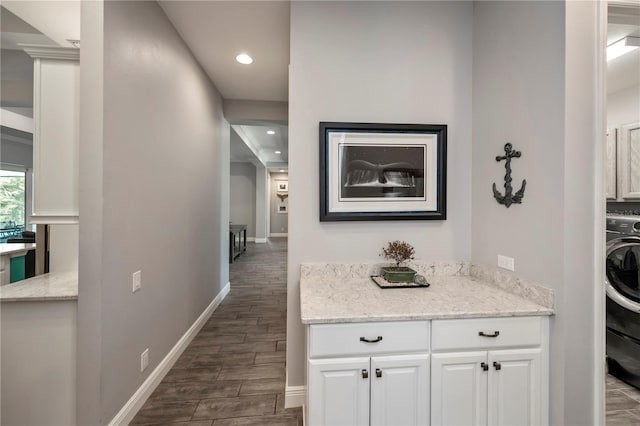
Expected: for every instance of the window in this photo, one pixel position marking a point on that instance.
(12, 204)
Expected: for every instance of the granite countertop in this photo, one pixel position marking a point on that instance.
(10, 248)
(324, 300)
(46, 287)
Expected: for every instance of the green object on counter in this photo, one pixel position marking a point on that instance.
(17, 269)
(398, 274)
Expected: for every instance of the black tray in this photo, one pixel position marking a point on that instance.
(384, 284)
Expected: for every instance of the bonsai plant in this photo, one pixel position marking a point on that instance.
(399, 252)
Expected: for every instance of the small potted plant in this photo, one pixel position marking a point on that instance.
(399, 252)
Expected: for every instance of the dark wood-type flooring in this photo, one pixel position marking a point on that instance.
(623, 403)
(233, 373)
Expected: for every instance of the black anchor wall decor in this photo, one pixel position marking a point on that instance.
(509, 198)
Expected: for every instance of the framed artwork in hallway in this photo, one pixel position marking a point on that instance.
(382, 171)
(282, 185)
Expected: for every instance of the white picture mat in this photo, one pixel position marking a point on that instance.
(282, 182)
(429, 141)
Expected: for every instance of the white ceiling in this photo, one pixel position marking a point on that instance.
(217, 31)
(624, 71)
(59, 19)
(268, 144)
(240, 152)
(252, 143)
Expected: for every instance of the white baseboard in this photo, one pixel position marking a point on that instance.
(251, 239)
(279, 234)
(260, 240)
(294, 396)
(131, 408)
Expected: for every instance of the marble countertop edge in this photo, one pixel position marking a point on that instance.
(58, 298)
(51, 287)
(409, 317)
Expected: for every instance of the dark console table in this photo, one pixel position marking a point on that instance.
(237, 233)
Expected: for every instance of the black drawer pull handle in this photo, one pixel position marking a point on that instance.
(365, 374)
(485, 366)
(483, 334)
(378, 373)
(364, 339)
(497, 365)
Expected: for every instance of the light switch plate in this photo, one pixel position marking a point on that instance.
(506, 262)
(137, 281)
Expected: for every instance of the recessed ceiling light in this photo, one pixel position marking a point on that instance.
(278, 152)
(622, 47)
(271, 132)
(74, 43)
(244, 59)
(281, 170)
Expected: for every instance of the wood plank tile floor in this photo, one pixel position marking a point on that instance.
(623, 403)
(233, 373)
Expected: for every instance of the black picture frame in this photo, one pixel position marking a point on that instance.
(356, 186)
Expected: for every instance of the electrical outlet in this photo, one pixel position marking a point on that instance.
(506, 262)
(137, 281)
(144, 360)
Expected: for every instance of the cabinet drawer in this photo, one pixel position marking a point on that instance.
(384, 337)
(498, 332)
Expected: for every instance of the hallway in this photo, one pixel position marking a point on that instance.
(233, 372)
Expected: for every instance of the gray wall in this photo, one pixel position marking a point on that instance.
(262, 194)
(387, 62)
(623, 107)
(142, 206)
(279, 221)
(242, 197)
(16, 153)
(535, 89)
(38, 363)
(239, 111)
(518, 97)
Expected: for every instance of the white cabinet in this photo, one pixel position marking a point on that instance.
(486, 371)
(385, 391)
(515, 387)
(459, 389)
(611, 167)
(490, 372)
(486, 388)
(387, 384)
(629, 161)
(400, 390)
(56, 98)
(340, 393)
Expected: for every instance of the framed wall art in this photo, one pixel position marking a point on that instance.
(382, 171)
(282, 185)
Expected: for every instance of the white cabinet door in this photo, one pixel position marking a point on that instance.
(515, 381)
(339, 392)
(629, 137)
(400, 390)
(459, 389)
(610, 165)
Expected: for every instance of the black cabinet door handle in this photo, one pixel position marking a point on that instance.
(378, 373)
(365, 374)
(485, 366)
(483, 334)
(364, 339)
(497, 365)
